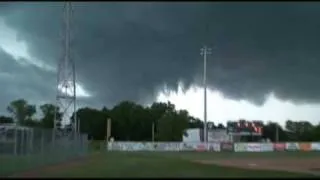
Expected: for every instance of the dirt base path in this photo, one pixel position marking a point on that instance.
(304, 165)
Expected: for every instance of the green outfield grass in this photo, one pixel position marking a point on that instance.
(166, 164)
(14, 164)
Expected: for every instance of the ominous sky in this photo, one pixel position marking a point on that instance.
(133, 51)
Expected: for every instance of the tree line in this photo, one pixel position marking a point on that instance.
(133, 122)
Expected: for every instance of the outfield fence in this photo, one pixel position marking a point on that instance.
(23, 148)
(214, 147)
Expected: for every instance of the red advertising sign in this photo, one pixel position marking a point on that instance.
(226, 146)
(279, 146)
(305, 146)
(201, 147)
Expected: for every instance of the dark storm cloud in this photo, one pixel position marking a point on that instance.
(21, 80)
(130, 50)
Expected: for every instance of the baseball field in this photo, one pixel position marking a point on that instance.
(172, 164)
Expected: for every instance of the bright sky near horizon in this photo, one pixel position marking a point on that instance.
(220, 109)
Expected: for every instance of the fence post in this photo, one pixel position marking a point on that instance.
(28, 144)
(15, 140)
(42, 141)
(22, 142)
(31, 142)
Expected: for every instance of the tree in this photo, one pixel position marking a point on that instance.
(196, 123)
(92, 122)
(221, 126)
(181, 124)
(158, 109)
(316, 133)
(299, 130)
(131, 121)
(48, 115)
(172, 126)
(31, 123)
(21, 111)
(164, 127)
(269, 131)
(305, 131)
(5, 120)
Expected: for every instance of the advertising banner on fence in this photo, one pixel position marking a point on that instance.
(279, 146)
(148, 146)
(315, 146)
(142, 146)
(166, 146)
(214, 147)
(253, 147)
(198, 146)
(240, 147)
(160, 146)
(114, 146)
(188, 146)
(134, 146)
(121, 146)
(305, 146)
(266, 147)
(226, 147)
(201, 147)
(292, 146)
(172, 146)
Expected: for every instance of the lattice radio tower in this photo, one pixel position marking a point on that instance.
(66, 82)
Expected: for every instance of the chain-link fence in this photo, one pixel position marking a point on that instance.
(23, 148)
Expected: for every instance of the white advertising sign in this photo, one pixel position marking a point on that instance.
(315, 146)
(240, 147)
(188, 146)
(214, 147)
(266, 147)
(292, 146)
(253, 147)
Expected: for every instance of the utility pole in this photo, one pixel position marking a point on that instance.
(204, 52)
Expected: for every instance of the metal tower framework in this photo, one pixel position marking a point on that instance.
(204, 52)
(66, 82)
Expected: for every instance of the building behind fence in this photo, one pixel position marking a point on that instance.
(36, 146)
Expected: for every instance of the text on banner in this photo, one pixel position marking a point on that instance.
(240, 147)
(305, 146)
(292, 146)
(253, 147)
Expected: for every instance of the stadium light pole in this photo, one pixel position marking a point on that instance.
(204, 52)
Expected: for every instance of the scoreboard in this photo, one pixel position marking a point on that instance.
(243, 127)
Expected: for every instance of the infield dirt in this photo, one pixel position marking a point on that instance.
(303, 165)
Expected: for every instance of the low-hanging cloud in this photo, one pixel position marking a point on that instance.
(131, 50)
(21, 80)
